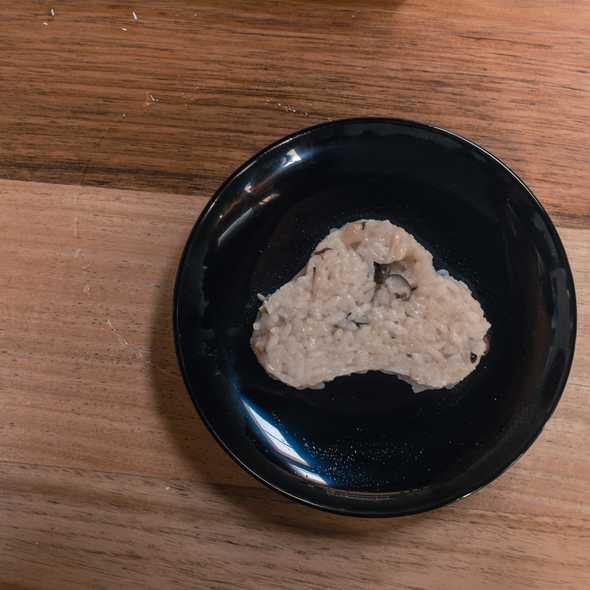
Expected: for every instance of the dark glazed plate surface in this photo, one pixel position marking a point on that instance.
(367, 445)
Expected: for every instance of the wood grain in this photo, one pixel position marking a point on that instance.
(78, 529)
(175, 101)
(109, 479)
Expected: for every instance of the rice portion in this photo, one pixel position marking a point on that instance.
(368, 299)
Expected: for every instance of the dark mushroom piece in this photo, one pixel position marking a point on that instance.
(386, 275)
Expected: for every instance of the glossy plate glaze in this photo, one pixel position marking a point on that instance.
(366, 445)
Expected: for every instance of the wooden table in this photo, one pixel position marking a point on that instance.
(114, 132)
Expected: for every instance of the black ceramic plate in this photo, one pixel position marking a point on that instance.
(367, 445)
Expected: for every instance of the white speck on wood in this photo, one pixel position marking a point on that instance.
(52, 12)
(86, 289)
(150, 99)
(123, 28)
(135, 17)
(288, 108)
(122, 340)
(45, 24)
